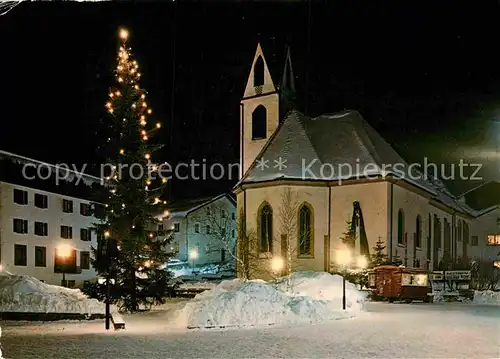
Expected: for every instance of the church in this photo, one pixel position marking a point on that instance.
(343, 178)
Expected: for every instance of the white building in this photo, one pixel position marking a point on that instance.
(36, 226)
(485, 240)
(339, 169)
(204, 229)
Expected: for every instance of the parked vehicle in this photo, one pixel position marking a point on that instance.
(394, 283)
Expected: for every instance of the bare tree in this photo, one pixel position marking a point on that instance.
(221, 228)
(288, 221)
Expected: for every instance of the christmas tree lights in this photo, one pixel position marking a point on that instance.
(133, 198)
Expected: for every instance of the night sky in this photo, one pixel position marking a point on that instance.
(425, 75)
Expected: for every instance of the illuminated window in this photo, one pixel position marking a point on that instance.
(494, 240)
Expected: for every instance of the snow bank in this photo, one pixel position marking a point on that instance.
(29, 295)
(312, 297)
(486, 297)
(322, 286)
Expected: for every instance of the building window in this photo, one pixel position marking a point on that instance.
(67, 206)
(459, 231)
(494, 240)
(20, 226)
(20, 197)
(233, 216)
(40, 256)
(417, 263)
(401, 226)
(85, 209)
(233, 233)
(259, 123)
(196, 228)
(208, 229)
(418, 233)
(474, 241)
(305, 231)
(41, 229)
(177, 227)
(85, 235)
(66, 232)
(20, 255)
(84, 260)
(223, 213)
(160, 228)
(41, 201)
(258, 72)
(265, 221)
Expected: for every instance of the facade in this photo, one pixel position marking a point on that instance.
(338, 169)
(485, 240)
(36, 226)
(204, 229)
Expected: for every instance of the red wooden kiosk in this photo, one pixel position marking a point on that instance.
(394, 283)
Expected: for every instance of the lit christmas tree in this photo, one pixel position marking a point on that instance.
(130, 246)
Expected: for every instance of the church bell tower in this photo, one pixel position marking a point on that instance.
(259, 111)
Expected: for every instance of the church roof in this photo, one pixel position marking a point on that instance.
(336, 147)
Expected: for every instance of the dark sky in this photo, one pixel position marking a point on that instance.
(425, 74)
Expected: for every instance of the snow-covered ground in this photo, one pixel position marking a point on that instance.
(304, 297)
(451, 330)
(28, 294)
(486, 297)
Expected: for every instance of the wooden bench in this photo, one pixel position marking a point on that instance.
(118, 322)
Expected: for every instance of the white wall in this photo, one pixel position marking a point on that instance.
(55, 217)
(207, 245)
(482, 227)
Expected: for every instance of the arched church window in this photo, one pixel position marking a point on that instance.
(258, 72)
(266, 229)
(305, 230)
(401, 226)
(418, 232)
(259, 123)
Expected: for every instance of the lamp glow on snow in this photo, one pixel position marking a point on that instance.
(277, 264)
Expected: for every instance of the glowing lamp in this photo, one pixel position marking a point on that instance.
(123, 34)
(362, 262)
(277, 264)
(64, 250)
(193, 253)
(343, 257)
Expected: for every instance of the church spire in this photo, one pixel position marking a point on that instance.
(288, 93)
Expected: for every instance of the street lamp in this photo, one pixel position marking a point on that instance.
(193, 255)
(344, 258)
(63, 252)
(277, 264)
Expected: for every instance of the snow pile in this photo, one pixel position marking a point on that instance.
(322, 286)
(314, 297)
(486, 297)
(26, 294)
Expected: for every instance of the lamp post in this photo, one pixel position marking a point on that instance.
(344, 258)
(63, 252)
(193, 255)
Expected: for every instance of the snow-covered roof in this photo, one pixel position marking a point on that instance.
(329, 147)
(182, 208)
(334, 147)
